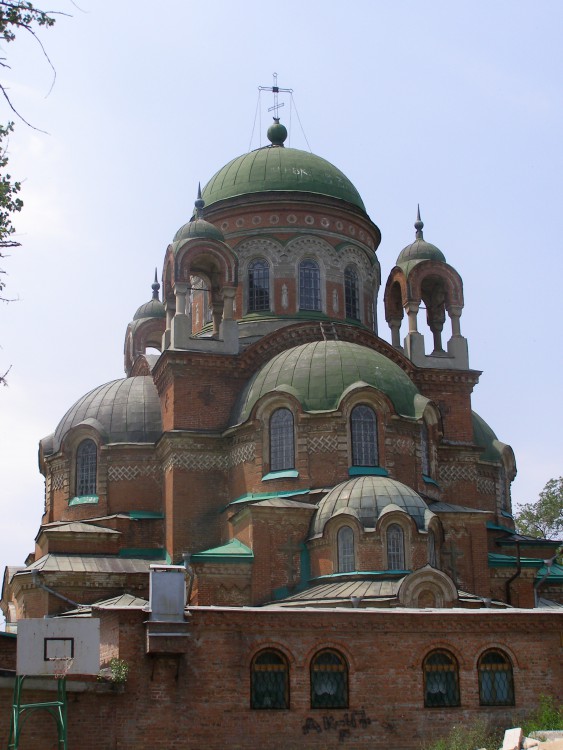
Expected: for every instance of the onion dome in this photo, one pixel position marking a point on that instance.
(123, 411)
(154, 307)
(275, 168)
(367, 499)
(420, 249)
(318, 374)
(197, 227)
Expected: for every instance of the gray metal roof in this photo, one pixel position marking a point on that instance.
(123, 411)
(124, 601)
(77, 527)
(341, 591)
(366, 498)
(57, 563)
(441, 507)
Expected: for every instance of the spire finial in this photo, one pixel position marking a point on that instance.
(199, 203)
(155, 286)
(275, 89)
(418, 224)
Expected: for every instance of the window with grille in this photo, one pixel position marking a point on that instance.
(441, 680)
(351, 293)
(363, 423)
(425, 450)
(309, 286)
(329, 680)
(282, 453)
(86, 468)
(496, 682)
(269, 680)
(395, 547)
(258, 286)
(346, 558)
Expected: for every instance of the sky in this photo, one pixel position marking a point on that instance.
(455, 106)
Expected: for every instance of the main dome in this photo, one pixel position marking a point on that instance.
(318, 373)
(279, 169)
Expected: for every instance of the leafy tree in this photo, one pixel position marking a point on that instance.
(544, 518)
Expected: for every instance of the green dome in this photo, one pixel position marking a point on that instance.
(419, 249)
(318, 373)
(151, 309)
(279, 169)
(199, 229)
(366, 498)
(484, 436)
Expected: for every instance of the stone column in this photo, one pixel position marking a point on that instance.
(181, 327)
(395, 326)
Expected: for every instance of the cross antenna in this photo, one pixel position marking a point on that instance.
(275, 89)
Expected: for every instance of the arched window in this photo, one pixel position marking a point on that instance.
(329, 680)
(496, 682)
(258, 286)
(351, 293)
(363, 423)
(432, 552)
(425, 450)
(441, 680)
(309, 285)
(346, 557)
(86, 468)
(282, 453)
(269, 680)
(395, 547)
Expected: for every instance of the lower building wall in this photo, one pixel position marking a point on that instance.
(199, 697)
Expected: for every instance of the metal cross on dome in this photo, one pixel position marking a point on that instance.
(275, 89)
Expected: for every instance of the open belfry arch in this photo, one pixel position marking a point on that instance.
(276, 511)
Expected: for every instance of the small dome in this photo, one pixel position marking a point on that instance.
(151, 309)
(199, 229)
(127, 410)
(366, 498)
(420, 249)
(318, 373)
(279, 169)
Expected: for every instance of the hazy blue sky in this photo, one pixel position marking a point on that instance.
(455, 105)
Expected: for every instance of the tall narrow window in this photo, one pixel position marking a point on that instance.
(329, 680)
(503, 490)
(395, 547)
(441, 680)
(282, 452)
(346, 557)
(269, 678)
(425, 450)
(258, 286)
(496, 682)
(309, 286)
(432, 552)
(363, 421)
(86, 468)
(351, 293)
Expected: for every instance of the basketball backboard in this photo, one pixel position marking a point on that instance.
(58, 645)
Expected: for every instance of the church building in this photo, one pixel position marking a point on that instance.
(339, 516)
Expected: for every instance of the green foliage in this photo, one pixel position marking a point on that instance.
(9, 203)
(475, 735)
(544, 518)
(548, 715)
(118, 670)
(21, 15)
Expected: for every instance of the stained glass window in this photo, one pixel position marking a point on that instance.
(441, 680)
(258, 286)
(351, 293)
(395, 547)
(496, 683)
(269, 681)
(282, 453)
(363, 422)
(346, 559)
(329, 680)
(309, 286)
(86, 468)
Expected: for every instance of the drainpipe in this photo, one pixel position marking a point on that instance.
(37, 582)
(548, 564)
(515, 576)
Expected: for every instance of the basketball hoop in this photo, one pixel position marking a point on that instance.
(62, 665)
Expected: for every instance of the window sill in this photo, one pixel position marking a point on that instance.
(83, 500)
(367, 471)
(287, 474)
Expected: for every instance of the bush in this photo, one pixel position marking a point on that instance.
(475, 735)
(548, 715)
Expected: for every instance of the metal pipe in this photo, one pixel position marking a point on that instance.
(515, 576)
(37, 582)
